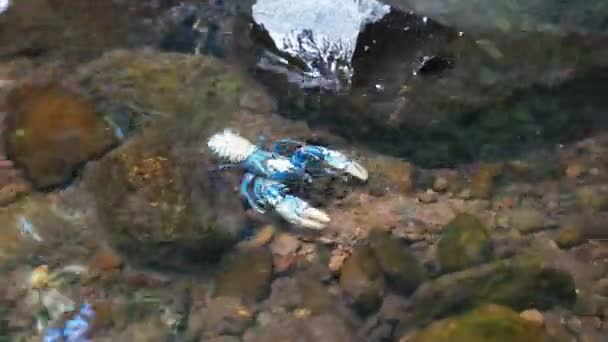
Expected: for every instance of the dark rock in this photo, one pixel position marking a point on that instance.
(225, 316)
(513, 17)
(159, 203)
(245, 275)
(464, 242)
(362, 279)
(521, 282)
(52, 131)
(487, 323)
(402, 269)
(323, 328)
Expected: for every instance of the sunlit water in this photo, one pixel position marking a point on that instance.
(462, 194)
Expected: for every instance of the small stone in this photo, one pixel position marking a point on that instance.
(337, 259)
(570, 236)
(464, 242)
(401, 267)
(39, 278)
(574, 325)
(283, 263)
(362, 279)
(285, 244)
(465, 194)
(261, 238)
(574, 170)
(594, 171)
(428, 197)
(441, 184)
(482, 183)
(528, 220)
(591, 197)
(532, 315)
(302, 313)
(105, 261)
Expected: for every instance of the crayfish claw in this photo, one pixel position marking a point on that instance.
(298, 212)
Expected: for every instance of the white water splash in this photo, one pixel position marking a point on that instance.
(4, 5)
(322, 33)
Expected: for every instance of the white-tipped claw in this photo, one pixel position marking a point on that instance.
(298, 212)
(356, 170)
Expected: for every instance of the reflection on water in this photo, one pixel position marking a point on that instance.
(482, 133)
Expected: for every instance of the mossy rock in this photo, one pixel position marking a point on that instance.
(488, 323)
(522, 282)
(401, 267)
(160, 204)
(201, 91)
(363, 280)
(464, 242)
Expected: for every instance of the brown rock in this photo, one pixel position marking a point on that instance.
(482, 183)
(105, 261)
(391, 173)
(441, 184)
(574, 170)
(51, 131)
(285, 244)
(532, 315)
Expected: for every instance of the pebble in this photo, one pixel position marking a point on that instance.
(575, 170)
(285, 244)
(528, 220)
(533, 315)
(39, 277)
(441, 184)
(428, 197)
(574, 325)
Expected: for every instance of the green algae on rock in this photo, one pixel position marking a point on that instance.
(201, 91)
(52, 131)
(528, 220)
(402, 269)
(522, 282)
(464, 242)
(160, 204)
(245, 275)
(487, 323)
(362, 279)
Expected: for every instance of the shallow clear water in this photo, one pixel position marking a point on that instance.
(454, 188)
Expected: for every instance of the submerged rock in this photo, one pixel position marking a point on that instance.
(362, 279)
(52, 131)
(160, 204)
(225, 316)
(245, 275)
(521, 282)
(528, 220)
(487, 323)
(514, 17)
(322, 328)
(464, 242)
(402, 269)
(201, 92)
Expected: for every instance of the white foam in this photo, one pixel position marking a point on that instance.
(4, 5)
(333, 27)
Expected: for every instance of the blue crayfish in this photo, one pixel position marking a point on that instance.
(75, 329)
(270, 173)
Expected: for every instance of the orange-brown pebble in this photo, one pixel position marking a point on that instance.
(575, 170)
(105, 261)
